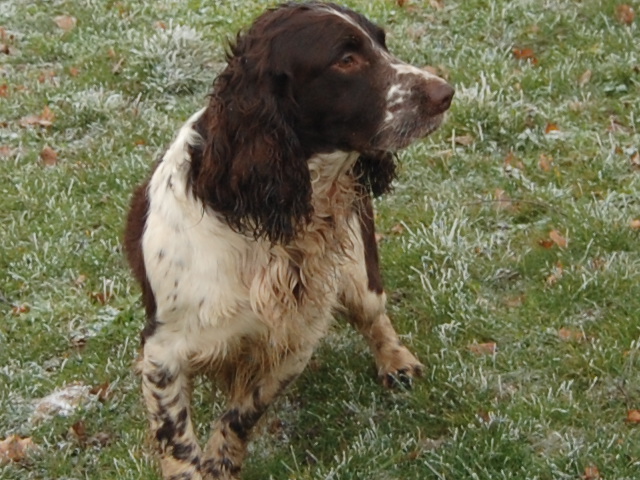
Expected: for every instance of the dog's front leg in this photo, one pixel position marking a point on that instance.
(364, 298)
(166, 390)
(230, 435)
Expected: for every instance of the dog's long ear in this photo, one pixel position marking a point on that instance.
(251, 167)
(375, 172)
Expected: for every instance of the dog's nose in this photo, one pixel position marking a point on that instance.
(440, 94)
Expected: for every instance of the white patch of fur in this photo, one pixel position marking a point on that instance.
(215, 287)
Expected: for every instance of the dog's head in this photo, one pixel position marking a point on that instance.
(306, 78)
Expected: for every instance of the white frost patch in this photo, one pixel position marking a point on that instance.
(62, 402)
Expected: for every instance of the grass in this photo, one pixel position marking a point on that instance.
(532, 145)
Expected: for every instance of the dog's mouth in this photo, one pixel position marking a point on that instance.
(399, 135)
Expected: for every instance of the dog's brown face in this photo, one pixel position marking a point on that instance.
(348, 91)
(306, 78)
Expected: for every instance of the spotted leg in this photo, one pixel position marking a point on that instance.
(230, 435)
(365, 300)
(166, 390)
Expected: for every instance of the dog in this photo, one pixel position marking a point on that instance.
(257, 224)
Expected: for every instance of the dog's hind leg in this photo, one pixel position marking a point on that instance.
(364, 298)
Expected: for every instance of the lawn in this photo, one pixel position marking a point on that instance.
(510, 246)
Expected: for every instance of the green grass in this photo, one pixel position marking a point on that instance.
(464, 253)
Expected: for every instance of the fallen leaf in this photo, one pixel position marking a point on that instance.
(4, 90)
(513, 161)
(398, 229)
(571, 335)
(81, 280)
(79, 431)
(525, 54)
(635, 161)
(625, 14)
(74, 71)
(101, 297)
(546, 243)
(48, 156)
(160, 24)
(15, 449)
(515, 301)
(102, 391)
(464, 140)
(19, 309)
(635, 224)
(551, 127)
(5, 151)
(558, 239)
(482, 348)
(139, 142)
(584, 78)
(633, 416)
(45, 119)
(591, 473)
(65, 22)
(437, 4)
(46, 75)
(544, 162)
(100, 439)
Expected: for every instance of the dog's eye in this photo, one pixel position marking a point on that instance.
(347, 61)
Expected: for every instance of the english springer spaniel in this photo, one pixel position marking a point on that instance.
(257, 225)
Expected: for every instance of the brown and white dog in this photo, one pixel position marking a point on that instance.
(256, 226)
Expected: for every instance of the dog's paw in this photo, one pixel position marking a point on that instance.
(397, 367)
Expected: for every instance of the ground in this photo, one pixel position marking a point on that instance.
(510, 246)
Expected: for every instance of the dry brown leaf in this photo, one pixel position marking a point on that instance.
(571, 335)
(525, 54)
(45, 119)
(546, 243)
(488, 348)
(102, 391)
(5, 151)
(551, 127)
(635, 224)
(398, 229)
(65, 22)
(15, 449)
(464, 140)
(19, 309)
(74, 71)
(625, 14)
(81, 280)
(101, 297)
(633, 416)
(437, 4)
(46, 75)
(558, 239)
(591, 473)
(515, 301)
(584, 78)
(544, 162)
(635, 161)
(49, 156)
(4, 90)
(160, 24)
(79, 431)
